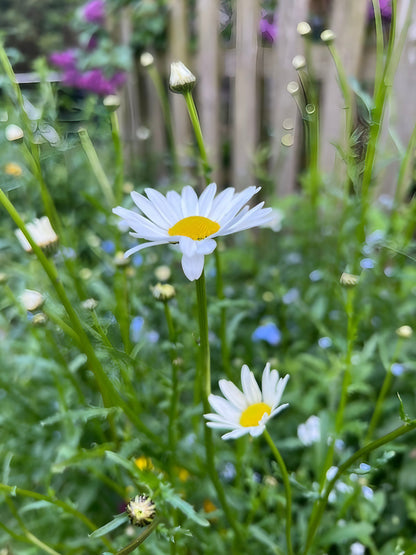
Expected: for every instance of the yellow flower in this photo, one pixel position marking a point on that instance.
(13, 169)
(144, 463)
(183, 474)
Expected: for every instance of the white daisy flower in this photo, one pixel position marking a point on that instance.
(190, 221)
(247, 412)
(42, 233)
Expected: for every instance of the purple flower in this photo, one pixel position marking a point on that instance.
(385, 9)
(94, 11)
(65, 59)
(268, 28)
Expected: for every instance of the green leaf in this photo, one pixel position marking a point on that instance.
(110, 526)
(178, 503)
(403, 416)
(82, 415)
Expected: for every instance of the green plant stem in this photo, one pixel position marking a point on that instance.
(288, 491)
(96, 167)
(119, 161)
(13, 490)
(364, 451)
(379, 44)
(205, 387)
(108, 392)
(193, 114)
(174, 399)
(139, 540)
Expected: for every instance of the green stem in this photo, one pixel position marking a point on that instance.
(364, 451)
(288, 491)
(205, 386)
(143, 536)
(225, 350)
(13, 490)
(193, 114)
(96, 166)
(118, 149)
(174, 399)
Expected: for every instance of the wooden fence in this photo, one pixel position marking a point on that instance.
(241, 91)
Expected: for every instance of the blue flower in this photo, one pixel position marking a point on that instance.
(137, 260)
(367, 263)
(269, 333)
(108, 247)
(136, 328)
(325, 342)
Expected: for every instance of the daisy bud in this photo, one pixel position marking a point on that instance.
(39, 319)
(146, 59)
(163, 292)
(42, 233)
(348, 280)
(163, 273)
(181, 80)
(89, 304)
(111, 102)
(304, 28)
(299, 62)
(14, 133)
(327, 36)
(141, 510)
(31, 300)
(404, 331)
(292, 88)
(13, 169)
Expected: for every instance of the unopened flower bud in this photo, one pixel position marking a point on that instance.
(42, 234)
(404, 331)
(31, 300)
(299, 62)
(327, 36)
(292, 88)
(14, 133)
(163, 292)
(141, 510)
(146, 59)
(304, 28)
(181, 80)
(111, 102)
(163, 273)
(39, 319)
(348, 280)
(89, 304)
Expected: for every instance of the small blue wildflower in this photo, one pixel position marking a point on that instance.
(137, 260)
(364, 467)
(135, 328)
(316, 275)
(331, 472)
(152, 336)
(108, 246)
(229, 472)
(325, 342)
(269, 333)
(397, 369)
(339, 444)
(367, 263)
(291, 296)
(293, 258)
(367, 492)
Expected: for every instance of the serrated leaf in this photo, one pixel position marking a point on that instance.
(403, 416)
(110, 526)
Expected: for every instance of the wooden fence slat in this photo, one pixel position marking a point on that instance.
(348, 21)
(207, 88)
(282, 106)
(178, 52)
(246, 108)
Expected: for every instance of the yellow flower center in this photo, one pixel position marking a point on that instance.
(194, 227)
(253, 414)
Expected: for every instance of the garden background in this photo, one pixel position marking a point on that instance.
(105, 369)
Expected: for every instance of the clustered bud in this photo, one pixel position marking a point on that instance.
(182, 80)
(163, 292)
(348, 280)
(141, 510)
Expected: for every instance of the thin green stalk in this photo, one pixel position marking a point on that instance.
(193, 114)
(288, 490)
(361, 453)
(379, 44)
(96, 166)
(163, 99)
(382, 395)
(122, 305)
(119, 161)
(13, 490)
(139, 540)
(174, 399)
(225, 350)
(108, 391)
(205, 386)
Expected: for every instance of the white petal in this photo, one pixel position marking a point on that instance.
(279, 409)
(221, 203)
(152, 211)
(224, 408)
(206, 246)
(187, 246)
(256, 431)
(279, 390)
(250, 387)
(144, 227)
(238, 432)
(190, 205)
(237, 203)
(175, 202)
(220, 426)
(233, 394)
(255, 217)
(206, 198)
(213, 417)
(143, 246)
(192, 266)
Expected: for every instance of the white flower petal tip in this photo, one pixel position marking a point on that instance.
(248, 411)
(191, 222)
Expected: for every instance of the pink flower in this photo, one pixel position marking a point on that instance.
(65, 59)
(268, 28)
(94, 12)
(385, 9)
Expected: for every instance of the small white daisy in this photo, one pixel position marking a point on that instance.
(190, 221)
(42, 233)
(247, 412)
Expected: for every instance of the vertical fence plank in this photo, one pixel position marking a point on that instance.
(208, 79)
(282, 110)
(348, 20)
(178, 51)
(245, 124)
